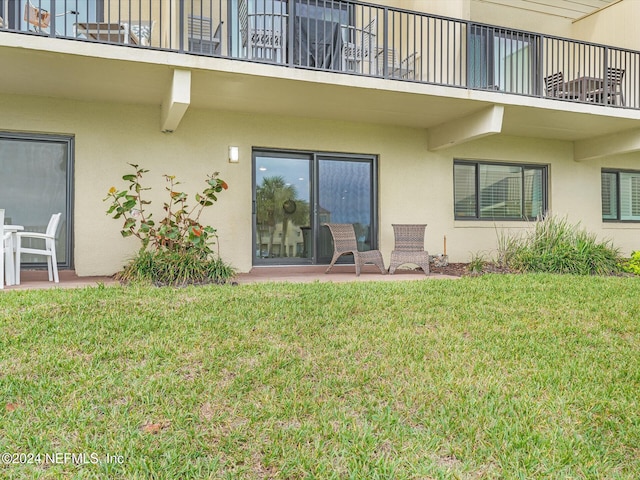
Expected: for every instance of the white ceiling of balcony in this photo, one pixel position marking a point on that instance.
(572, 9)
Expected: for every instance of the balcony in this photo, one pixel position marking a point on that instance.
(349, 38)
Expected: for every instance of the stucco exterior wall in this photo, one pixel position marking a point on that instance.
(615, 25)
(514, 15)
(415, 185)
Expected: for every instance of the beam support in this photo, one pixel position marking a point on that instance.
(480, 124)
(606, 145)
(176, 101)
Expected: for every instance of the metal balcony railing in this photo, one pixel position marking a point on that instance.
(348, 37)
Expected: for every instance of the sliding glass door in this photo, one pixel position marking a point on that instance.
(296, 193)
(502, 60)
(36, 182)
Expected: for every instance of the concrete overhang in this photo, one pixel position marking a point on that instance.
(606, 145)
(34, 65)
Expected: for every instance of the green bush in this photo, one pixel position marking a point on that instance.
(555, 246)
(633, 264)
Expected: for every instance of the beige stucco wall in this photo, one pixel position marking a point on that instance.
(416, 186)
(449, 8)
(514, 14)
(615, 25)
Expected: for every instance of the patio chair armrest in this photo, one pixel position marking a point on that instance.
(42, 236)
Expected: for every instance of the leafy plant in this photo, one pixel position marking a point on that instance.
(178, 248)
(180, 229)
(633, 264)
(477, 263)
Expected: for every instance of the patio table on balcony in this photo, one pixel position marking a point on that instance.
(107, 32)
(584, 86)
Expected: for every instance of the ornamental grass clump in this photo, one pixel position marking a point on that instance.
(176, 250)
(556, 246)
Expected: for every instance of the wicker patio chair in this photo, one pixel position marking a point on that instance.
(409, 247)
(344, 242)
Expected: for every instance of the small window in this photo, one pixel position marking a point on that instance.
(620, 196)
(492, 191)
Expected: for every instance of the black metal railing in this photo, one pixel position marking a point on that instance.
(349, 37)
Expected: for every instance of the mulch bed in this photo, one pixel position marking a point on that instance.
(462, 269)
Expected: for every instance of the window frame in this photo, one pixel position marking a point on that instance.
(544, 168)
(616, 172)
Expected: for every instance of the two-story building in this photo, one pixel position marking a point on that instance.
(471, 116)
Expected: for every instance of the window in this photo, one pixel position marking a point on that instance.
(495, 191)
(620, 196)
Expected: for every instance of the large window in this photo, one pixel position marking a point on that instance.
(498, 191)
(620, 196)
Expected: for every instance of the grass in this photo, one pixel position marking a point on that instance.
(499, 376)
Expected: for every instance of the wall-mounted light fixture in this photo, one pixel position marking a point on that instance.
(234, 155)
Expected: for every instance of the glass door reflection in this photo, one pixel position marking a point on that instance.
(282, 213)
(345, 196)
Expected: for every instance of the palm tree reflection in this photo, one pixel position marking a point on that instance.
(277, 205)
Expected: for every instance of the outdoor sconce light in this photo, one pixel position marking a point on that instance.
(234, 155)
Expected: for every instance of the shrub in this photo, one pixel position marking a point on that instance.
(633, 264)
(178, 248)
(555, 246)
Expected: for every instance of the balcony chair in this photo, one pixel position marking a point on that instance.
(49, 250)
(345, 242)
(263, 35)
(39, 18)
(556, 87)
(140, 31)
(360, 42)
(6, 253)
(406, 68)
(201, 40)
(612, 88)
(409, 247)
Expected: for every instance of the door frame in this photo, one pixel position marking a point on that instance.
(69, 140)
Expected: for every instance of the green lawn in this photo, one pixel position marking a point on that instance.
(499, 376)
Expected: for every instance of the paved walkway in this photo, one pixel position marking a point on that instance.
(38, 279)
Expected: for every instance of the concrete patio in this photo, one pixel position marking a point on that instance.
(37, 279)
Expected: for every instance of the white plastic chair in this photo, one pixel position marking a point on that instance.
(139, 31)
(360, 43)
(48, 251)
(6, 255)
(406, 68)
(263, 34)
